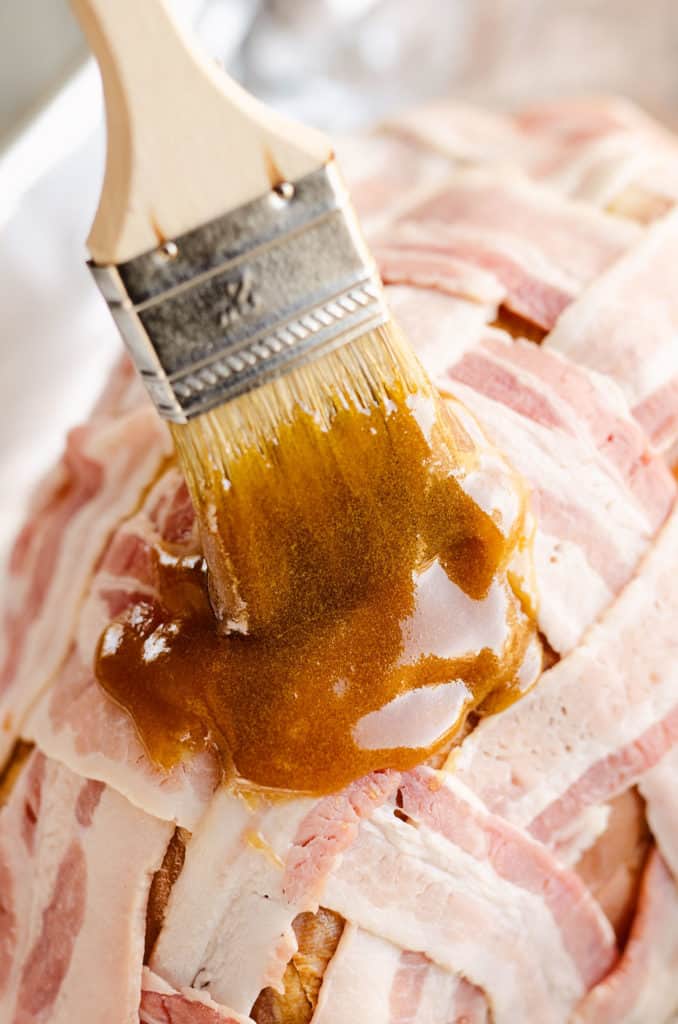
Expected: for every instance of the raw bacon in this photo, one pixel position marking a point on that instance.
(161, 1004)
(382, 170)
(659, 789)
(504, 240)
(106, 465)
(76, 861)
(599, 491)
(228, 928)
(440, 326)
(603, 150)
(642, 987)
(463, 134)
(513, 884)
(635, 343)
(597, 721)
(449, 889)
(75, 721)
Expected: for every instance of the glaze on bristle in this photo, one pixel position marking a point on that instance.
(364, 375)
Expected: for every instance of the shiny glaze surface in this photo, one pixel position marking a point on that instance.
(380, 605)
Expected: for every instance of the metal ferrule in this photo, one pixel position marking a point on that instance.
(247, 297)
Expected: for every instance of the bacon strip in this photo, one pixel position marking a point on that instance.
(400, 987)
(642, 986)
(603, 150)
(106, 465)
(598, 720)
(248, 871)
(123, 393)
(440, 327)
(228, 928)
(463, 133)
(583, 404)
(438, 885)
(658, 787)
(487, 267)
(541, 248)
(349, 991)
(442, 889)
(433, 799)
(626, 326)
(161, 1004)
(327, 830)
(658, 416)
(75, 867)
(599, 493)
(438, 260)
(381, 169)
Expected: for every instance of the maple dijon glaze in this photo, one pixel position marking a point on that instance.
(377, 602)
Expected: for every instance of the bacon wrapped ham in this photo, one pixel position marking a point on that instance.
(530, 874)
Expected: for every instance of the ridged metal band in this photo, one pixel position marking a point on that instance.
(224, 308)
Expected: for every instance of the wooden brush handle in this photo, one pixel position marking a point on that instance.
(185, 142)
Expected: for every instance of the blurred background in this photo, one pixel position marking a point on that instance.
(340, 64)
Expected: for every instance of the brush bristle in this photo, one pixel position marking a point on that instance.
(297, 483)
(361, 375)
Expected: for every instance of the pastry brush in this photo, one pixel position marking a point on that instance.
(227, 249)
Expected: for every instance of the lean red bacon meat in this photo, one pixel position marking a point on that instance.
(532, 876)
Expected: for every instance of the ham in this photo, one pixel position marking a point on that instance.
(612, 865)
(75, 868)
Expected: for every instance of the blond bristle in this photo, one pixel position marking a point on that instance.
(361, 375)
(264, 468)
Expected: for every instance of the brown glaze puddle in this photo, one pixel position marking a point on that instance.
(332, 568)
